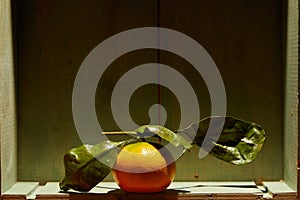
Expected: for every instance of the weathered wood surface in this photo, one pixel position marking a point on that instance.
(177, 190)
(244, 38)
(21, 190)
(55, 37)
(8, 134)
(280, 190)
(291, 105)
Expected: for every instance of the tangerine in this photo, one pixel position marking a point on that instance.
(142, 168)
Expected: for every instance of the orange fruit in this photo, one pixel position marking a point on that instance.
(142, 168)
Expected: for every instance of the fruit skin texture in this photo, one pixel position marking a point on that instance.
(142, 168)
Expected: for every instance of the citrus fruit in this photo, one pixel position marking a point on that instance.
(143, 168)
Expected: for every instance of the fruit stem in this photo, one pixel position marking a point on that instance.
(119, 132)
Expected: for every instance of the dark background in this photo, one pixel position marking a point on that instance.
(244, 38)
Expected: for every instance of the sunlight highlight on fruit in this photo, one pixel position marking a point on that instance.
(142, 168)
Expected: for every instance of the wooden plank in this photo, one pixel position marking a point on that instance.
(32, 195)
(8, 137)
(177, 190)
(291, 97)
(278, 187)
(51, 50)
(280, 190)
(52, 47)
(20, 190)
(244, 38)
(51, 191)
(248, 187)
(180, 190)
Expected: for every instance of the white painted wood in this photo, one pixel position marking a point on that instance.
(278, 187)
(181, 187)
(8, 136)
(280, 190)
(49, 188)
(290, 141)
(183, 190)
(105, 187)
(216, 187)
(21, 189)
(32, 195)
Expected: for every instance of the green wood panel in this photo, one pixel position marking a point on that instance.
(244, 38)
(54, 38)
(291, 100)
(8, 140)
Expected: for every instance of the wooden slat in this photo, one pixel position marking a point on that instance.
(243, 38)
(20, 190)
(217, 187)
(8, 135)
(32, 195)
(177, 190)
(291, 98)
(51, 191)
(180, 190)
(51, 50)
(280, 190)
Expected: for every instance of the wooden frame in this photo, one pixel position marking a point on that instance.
(177, 190)
(12, 189)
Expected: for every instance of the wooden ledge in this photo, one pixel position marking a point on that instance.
(177, 190)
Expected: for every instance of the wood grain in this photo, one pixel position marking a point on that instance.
(8, 133)
(244, 38)
(177, 190)
(291, 99)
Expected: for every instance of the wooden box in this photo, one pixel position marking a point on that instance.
(43, 43)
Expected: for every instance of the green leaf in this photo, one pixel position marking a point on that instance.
(239, 143)
(87, 165)
(175, 139)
